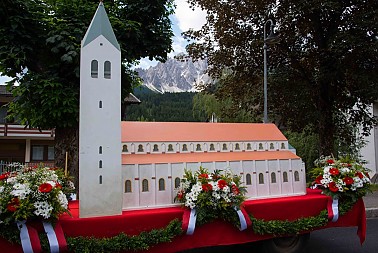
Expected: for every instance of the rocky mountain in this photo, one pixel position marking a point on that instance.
(174, 76)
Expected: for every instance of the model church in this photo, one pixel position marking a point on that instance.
(136, 165)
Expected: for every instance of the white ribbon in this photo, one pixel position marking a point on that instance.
(243, 222)
(192, 222)
(53, 241)
(335, 209)
(24, 236)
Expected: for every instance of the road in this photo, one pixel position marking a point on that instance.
(331, 240)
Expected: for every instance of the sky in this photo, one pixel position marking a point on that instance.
(183, 19)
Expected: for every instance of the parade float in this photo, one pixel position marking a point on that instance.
(171, 186)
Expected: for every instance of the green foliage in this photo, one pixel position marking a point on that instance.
(40, 50)
(161, 107)
(322, 73)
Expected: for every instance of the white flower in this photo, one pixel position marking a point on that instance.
(20, 190)
(43, 209)
(63, 200)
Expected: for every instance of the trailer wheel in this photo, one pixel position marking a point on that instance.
(290, 244)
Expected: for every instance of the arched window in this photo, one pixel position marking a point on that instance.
(94, 68)
(273, 178)
(184, 147)
(198, 147)
(177, 182)
(261, 178)
(107, 70)
(100, 104)
(237, 146)
(283, 146)
(100, 150)
(100, 164)
(212, 147)
(285, 178)
(140, 148)
(170, 148)
(224, 147)
(156, 148)
(128, 186)
(249, 146)
(248, 179)
(100, 179)
(145, 185)
(261, 146)
(296, 176)
(124, 148)
(271, 146)
(161, 184)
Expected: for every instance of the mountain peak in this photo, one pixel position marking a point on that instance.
(174, 75)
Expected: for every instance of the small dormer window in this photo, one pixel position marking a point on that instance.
(271, 146)
(170, 148)
(237, 146)
(212, 148)
(261, 146)
(184, 147)
(140, 148)
(94, 69)
(198, 148)
(283, 146)
(224, 146)
(124, 148)
(107, 70)
(156, 148)
(249, 146)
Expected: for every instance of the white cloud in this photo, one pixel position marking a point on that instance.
(187, 18)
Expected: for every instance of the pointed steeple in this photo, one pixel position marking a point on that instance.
(100, 25)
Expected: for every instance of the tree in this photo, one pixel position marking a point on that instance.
(40, 49)
(323, 73)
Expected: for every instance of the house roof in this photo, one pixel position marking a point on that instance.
(198, 131)
(100, 25)
(206, 157)
(4, 91)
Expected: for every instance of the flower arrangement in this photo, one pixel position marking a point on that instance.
(341, 178)
(214, 195)
(33, 193)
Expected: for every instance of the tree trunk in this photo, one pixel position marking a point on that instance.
(67, 140)
(326, 124)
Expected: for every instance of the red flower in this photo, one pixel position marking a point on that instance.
(359, 174)
(180, 195)
(330, 161)
(13, 205)
(348, 180)
(222, 183)
(45, 188)
(203, 176)
(318, 179)
(332, 187)
(334, 171)
(57, 185)
(3, 176)
(207, 187)
(235, 189)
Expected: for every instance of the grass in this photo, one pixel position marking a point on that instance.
(374, 187)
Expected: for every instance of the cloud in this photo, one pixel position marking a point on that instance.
(187, 18)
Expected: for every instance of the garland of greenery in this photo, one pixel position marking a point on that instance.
(145, 240)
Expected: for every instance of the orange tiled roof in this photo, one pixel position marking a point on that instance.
(206, 157)
(197, 131)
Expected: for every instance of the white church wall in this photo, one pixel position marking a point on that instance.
(287, 179)
(131, 197)
(163, 183)
(274, 178)
(262, 178)
(147, 184)
(298, 176)
(249, 169)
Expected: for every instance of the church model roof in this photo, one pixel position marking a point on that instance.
(197, 131)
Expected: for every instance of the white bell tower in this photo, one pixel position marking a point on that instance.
(100, 185)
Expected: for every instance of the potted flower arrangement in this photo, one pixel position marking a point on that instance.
(341, 179)
(34, 193)
(213, 195)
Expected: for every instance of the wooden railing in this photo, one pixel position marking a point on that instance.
(16, 130)
(12, 166)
